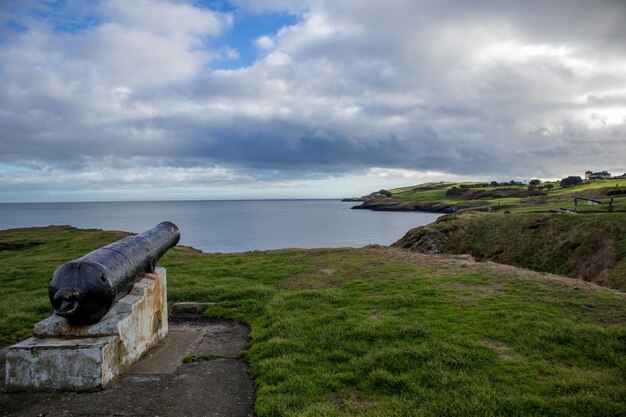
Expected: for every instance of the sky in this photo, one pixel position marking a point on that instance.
(248, 99)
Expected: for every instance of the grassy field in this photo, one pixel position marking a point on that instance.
(554, 198)
(378, 331)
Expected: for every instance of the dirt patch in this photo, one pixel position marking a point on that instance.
(502, 349)
(351, 400)
(468, 291)
(335, 267)
(316, 280)
(374, 316)
(373, 295)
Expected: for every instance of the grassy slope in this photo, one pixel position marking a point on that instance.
(380, 332)
(591, 247)
(556, 198)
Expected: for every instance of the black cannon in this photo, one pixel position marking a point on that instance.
(84, 290)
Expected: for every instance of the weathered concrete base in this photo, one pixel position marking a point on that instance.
(86, 358)
(160, 384)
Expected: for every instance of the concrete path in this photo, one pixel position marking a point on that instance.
(160, 384)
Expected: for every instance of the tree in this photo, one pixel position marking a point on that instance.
(571, 182)
(534, 182)
(548, 187)
(494, 183)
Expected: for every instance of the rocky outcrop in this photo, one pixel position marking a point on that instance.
(391, 204)
(375, 196)
(423, 239)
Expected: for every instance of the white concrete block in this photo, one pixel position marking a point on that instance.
(82, 358)
(62, 364)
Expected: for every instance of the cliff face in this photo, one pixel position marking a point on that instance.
(589, 247)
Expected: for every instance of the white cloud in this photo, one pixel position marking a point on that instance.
(168, 18)
(399, 89)
(264, 42)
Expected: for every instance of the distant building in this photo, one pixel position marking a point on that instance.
(620, 176)
(597, 175)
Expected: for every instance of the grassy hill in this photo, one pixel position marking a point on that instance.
(377, 331)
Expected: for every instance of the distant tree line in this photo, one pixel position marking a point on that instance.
(492, 184)
(505, 184)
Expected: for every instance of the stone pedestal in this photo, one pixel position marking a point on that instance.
(64, 357)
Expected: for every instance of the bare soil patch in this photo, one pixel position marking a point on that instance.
(502, 349)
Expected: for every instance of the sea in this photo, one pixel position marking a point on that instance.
(230, 226)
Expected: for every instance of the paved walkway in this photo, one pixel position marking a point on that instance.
(160, 384)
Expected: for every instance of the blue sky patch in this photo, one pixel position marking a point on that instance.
(60, 15)
(247, 27)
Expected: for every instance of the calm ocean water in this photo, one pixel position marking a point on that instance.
(230, 226)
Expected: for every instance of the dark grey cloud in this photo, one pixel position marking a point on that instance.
(486, 88)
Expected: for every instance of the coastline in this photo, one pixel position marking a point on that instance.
(388, 204)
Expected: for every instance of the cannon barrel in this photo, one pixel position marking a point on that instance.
(85, 289)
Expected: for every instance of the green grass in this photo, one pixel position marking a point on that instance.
(555, 198)
(380, 332)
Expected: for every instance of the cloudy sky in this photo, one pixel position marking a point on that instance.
(173, 99)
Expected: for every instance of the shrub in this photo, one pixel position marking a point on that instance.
(571, 181)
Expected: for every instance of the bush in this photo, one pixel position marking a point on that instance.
(616, 192)
(386, 193)
(571, 181)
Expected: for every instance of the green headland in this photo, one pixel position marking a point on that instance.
(516, 197)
